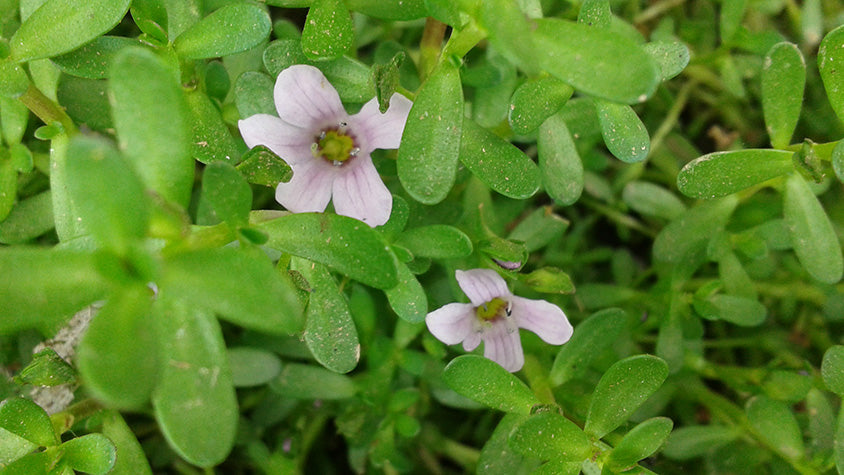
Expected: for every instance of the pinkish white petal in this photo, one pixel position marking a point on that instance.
(289, 142)
(451, 323)
(382, 130)
(359, 193)
(543, 318)
(304, 98)
(473, 339)
(309, 189)
(503, 345)
(481, 285)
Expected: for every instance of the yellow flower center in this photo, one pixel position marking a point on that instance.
(492, 309)
(335, 146)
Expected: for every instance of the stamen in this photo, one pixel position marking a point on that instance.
(355, 151)
(492, 310)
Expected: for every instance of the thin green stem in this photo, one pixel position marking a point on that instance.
(673, 115)
(47, 110)
(462, 41)
(538, 380)
(430, 47)
(656, 10)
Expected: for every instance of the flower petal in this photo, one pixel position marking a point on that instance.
(382, 130)
(543, 318)
(304, 98)
(359, 193)
(451, 323)
(503, 345)
(309, 189)
(481, 285)
(473, 339)
(291, 143)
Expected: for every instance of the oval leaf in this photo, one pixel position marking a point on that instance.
(774, 423)
(741, 311)
(253, 366)
(150, 117)
(227, 193)
(486, 382)
(593, 336)
(830, 58)
(59, 26)
(622, 389)
(832, 369)
(437, 241)
(537, 100)
(783, 79)
(671, 57)
(116, 357)
(300, 381)
(641, 442)
(131, 456)
(328, 32)
(231, 29)
(550, 436)
(28, 421)
(43, 287)
(408, 298)
(624, 134)
(194, 397)
(430, 146)
(587, 59)
(559, 162)
(92, 453)
(693, 441)
(812, 235)
(653, 200)
(92, 61)
(343, 244)
(330, 332)
(108, 194)
(240, 285)
(498, 163)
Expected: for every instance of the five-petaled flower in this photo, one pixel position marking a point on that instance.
(328, 149)
(495, 316)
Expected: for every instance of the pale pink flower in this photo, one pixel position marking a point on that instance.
(494, 317)
(328, 149)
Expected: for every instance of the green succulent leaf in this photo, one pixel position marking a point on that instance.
(722, 173)
(59, 26)
(151, 121)
(430, 146)
(328, 32)
(486, 382)
(812, 235)
(117, 357)
(586, 59)
(233, 28)
(550, 436)
(783, 79)
(498, 163)
(621, 390)
(343, 244)
(330, 332)
(194, 396)
(28, 421)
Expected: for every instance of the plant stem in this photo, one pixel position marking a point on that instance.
(47, 110)
(462, 41)
(673, 114)
(430, 47)
(656, 10)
